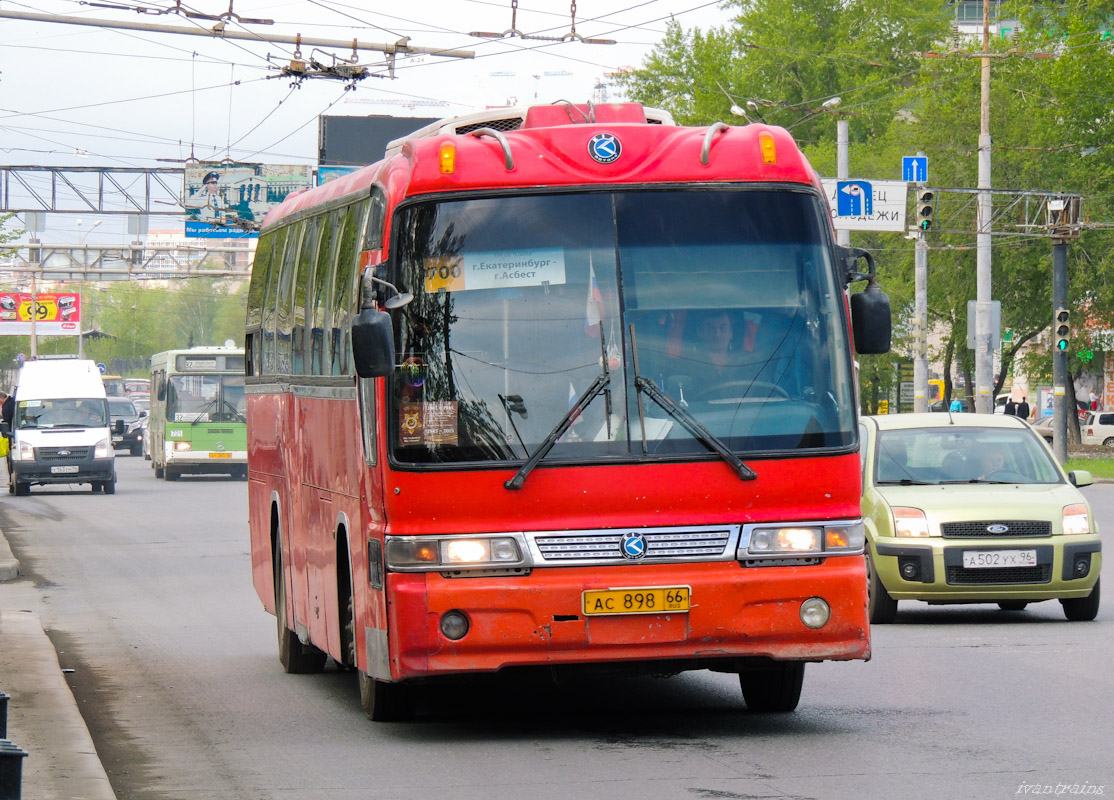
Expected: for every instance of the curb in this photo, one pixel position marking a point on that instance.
(43, 718)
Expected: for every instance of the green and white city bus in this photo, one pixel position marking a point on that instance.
(197, 421)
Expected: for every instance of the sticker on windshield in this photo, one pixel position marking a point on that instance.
(503, 269)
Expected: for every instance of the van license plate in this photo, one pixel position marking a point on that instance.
(68, 470)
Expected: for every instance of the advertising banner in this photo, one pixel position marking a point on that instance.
(220, 199)
(56, 313)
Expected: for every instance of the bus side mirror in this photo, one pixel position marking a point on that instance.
(373, 344)
(870, 320)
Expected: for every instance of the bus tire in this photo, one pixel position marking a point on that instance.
(296, 658)
(384, 701)
(170, 473)
(881, 608)
(776, 689)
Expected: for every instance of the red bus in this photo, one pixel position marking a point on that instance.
(570, 389)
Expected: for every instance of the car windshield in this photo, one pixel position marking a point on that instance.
(725, 299)
(89, 412)
(962, 455)
(119, 407)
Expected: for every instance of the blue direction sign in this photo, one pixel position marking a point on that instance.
(854, 199)
(914, 168)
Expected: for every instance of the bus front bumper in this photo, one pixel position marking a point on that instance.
(736, 613)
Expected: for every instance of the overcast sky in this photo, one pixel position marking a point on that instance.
(73, 94)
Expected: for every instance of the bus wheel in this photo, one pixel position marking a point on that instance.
(776, 689)
(383, 701)
(880, 606)
(171, 474)
(295, 657)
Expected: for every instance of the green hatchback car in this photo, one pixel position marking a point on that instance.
(974, 508)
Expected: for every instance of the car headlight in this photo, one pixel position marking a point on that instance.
(909, 522)
(1076, 519)
(25, 452)
(103, 449)
(791, 540)
(453, 553)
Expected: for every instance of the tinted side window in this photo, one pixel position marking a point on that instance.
(284, 301)
(344, 286)
(304, 276)
(270, 277)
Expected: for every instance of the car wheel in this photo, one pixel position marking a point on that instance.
(881, 607)
(135, 450)
(1108, 442)
(1013, 605)
(1082, 609)
(773, 690)
(22, 488)
(109, 487)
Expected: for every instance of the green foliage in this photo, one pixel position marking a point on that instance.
(1050, 125)
(133, 320)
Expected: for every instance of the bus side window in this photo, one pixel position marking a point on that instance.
(271, 275)
(322, 287)
(303, 277)
(344, 289)
(284, 301)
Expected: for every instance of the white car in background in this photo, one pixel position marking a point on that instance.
(1098, 428)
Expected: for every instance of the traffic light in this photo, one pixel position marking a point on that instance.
(1061, 329)
(925, 199)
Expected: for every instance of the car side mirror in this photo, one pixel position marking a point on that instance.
(1080, 477)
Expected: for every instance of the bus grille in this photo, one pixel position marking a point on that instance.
(978, 530)
(63, 453)
(605, 545)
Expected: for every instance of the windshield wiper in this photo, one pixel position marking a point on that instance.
(905, 482)
(582, 402)
(699, 432)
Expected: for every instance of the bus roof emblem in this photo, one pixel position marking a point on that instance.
(604, 148)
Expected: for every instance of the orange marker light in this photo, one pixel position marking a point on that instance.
(768, 148)
(448, 158)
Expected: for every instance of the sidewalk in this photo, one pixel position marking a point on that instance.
(43, 718)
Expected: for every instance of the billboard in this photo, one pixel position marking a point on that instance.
(56, 313)
(218, 196)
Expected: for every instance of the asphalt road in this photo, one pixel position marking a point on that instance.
(148, 596)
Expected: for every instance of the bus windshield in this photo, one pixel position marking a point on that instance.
(205, 398)
(724, 298)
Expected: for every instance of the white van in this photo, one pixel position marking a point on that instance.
(60, 430)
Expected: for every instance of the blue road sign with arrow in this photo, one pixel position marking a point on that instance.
(914, 169)
(854, 199)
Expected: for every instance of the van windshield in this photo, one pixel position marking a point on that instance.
(88, 412)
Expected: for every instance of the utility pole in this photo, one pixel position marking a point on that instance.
(843, 168)
(984, 355)
(920, 317)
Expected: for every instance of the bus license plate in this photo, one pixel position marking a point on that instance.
(67, 470)
(994, 559)
(220, 455)
(648, 600)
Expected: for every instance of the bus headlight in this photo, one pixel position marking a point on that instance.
(453, 552)
(804, 540)
(181, 447)
(103, 449)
